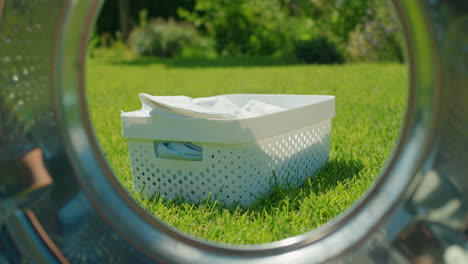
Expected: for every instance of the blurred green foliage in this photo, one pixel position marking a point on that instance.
(378, 39)
(357, 30)
(335, 17)
(164, 38)
(243, 27)
(319, 50)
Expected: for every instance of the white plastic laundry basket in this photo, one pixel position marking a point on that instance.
(239, 156)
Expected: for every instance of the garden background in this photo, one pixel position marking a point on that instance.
(311, 31)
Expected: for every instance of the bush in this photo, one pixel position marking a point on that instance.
(164, 38)
(243, 27)
(318, 50)
(233, 31)
(378, 39)
(372, 42)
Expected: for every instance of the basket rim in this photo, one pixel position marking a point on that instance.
(303, 110)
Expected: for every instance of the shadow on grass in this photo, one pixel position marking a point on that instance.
(327, 178)
(188, 62)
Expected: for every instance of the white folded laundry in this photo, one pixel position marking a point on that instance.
(217, 107)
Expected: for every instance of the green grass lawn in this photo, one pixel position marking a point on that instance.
(370, 103)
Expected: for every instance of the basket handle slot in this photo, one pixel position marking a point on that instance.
(178, 150)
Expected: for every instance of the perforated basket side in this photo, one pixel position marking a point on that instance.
(232, 173)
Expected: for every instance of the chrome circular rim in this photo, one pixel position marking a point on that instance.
(154, 238)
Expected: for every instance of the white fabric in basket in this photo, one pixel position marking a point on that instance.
(217, 107)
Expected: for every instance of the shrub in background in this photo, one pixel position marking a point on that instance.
(243, 27)
(319, 50)
(378, 39)
(372, 42)
(108, 21)
(336, 17)
(164, 38)
(232, 32)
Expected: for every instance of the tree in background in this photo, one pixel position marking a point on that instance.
(124, 19)
(108, 24)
